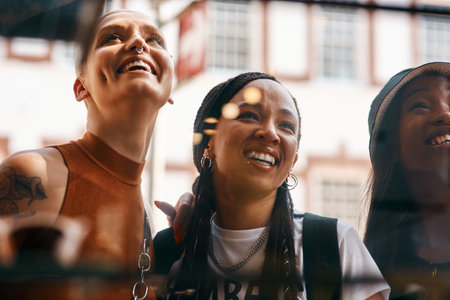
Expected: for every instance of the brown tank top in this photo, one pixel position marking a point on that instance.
(103, 189)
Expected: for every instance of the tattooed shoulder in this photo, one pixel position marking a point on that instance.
(17, 187)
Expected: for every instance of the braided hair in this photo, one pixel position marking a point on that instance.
(280, 258)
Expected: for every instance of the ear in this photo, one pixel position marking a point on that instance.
(209, 150)
(295, 159)
(80, 90)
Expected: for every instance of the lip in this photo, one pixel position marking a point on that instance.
(135, 58)
(437, 133)
(266, 150)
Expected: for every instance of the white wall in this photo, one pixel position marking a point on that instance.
(287, 35)
(37, 102)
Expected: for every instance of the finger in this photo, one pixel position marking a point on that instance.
(167, 209)
(183, 216)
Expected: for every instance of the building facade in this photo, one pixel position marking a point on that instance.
(333, 59)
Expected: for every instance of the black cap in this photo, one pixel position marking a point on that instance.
(382, 101)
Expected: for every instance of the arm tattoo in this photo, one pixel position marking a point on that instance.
(14, 187)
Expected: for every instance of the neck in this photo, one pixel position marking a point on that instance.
(436, 249)
(431, 191)
(432, 195)
(129, 138)
(243, 212)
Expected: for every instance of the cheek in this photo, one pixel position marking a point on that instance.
(164, 62)
(402, 138)
(102, 59)
(227, 147)
(409, 140)
(291, 150)
(409, 131)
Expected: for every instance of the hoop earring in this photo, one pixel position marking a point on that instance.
(206, 163)
(290, 186)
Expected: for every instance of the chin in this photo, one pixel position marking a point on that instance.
(145, 92)
(262, 185)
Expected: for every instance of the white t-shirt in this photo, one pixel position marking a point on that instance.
(231, 246)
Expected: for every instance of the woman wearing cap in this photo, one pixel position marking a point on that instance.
(409, 211)
(245, 240)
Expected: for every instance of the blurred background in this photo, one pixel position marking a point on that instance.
(333, 56)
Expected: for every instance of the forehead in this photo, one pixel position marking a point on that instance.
(426, 83)
(126, 18)
(272, 94)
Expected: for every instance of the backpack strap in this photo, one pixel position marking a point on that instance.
(322, 264)
(166, 251)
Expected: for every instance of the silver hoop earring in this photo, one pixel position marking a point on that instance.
(292, 185)
(139, 51)
(206, 163)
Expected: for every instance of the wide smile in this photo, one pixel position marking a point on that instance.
(264, 159)
(136, 64)
(440, 140)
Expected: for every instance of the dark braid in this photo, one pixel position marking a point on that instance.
(194, 268)
(280, 259)
(292, 277)
(280, 246)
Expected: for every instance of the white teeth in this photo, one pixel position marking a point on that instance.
(264, 158)
(136, 63)
(439, 140)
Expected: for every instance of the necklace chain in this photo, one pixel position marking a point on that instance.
(144, 264)
(256, 246)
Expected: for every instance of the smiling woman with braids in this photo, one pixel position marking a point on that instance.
(244, 239)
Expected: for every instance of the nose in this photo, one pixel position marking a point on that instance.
(442, 115)
(137, 42)
(268, 133)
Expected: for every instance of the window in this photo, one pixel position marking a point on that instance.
(340, 198)
(29, 49)
(229, 35)
(336, 42)
(434, 38)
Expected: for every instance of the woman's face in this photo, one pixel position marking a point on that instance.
(115, 71)
(258, 148)
(424, 130)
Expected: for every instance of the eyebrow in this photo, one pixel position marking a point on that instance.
(149, 29)
(415, 92)
(109, 28)
(102, 31)
(284, 111)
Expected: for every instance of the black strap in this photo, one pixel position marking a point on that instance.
(147, 230)
(323, 276)
(322, 265)
(166, 250)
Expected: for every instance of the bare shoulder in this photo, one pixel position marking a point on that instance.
(32, 182)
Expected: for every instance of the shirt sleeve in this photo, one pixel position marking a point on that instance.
(361, 276)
